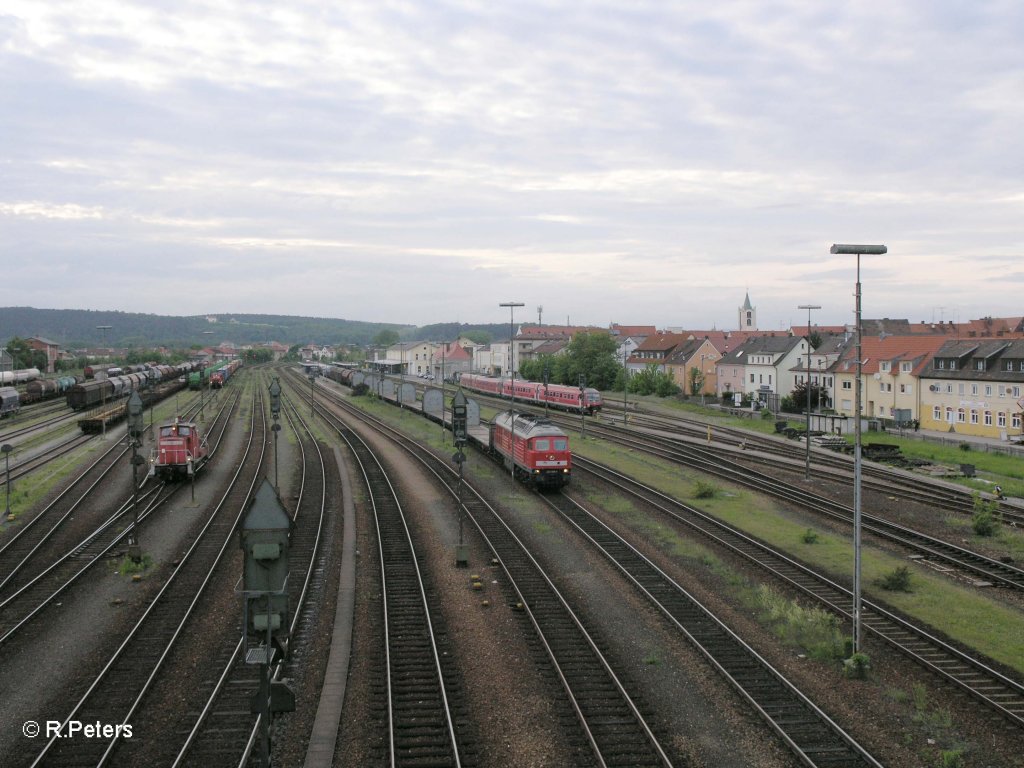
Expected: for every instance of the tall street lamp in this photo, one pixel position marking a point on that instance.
(512, 367)
(867, 250)
(103, 335)
(807, 465)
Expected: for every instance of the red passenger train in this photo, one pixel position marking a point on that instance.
(555, 395)
(532, 447)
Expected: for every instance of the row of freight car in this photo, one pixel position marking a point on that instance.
(535, 450)
(96, 391)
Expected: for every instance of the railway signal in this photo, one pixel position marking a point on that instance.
(460, 433)
(264, 537)
(136, 425)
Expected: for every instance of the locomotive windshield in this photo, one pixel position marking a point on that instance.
(561, 444)
(542, 444)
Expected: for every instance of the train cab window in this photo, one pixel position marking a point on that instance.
(166, 431)
(561, 444)
(184, 431)
(542, 444)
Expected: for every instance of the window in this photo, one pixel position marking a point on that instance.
(937, 413)
(1008, 365)
(1001, 419)
(906, 367)
(988, 418)
(751, 378)
(561, 444)
(1016, 391)
(1002, 390)
(940, 363)
(542, 444)
(974, 416)
(952, 365)
(961, 416)
(847, 385)
(884, 366)
(979, 365)
(848, 405)
(988, 390)
(949, 415)
(949, 389)
(960, 388)
(974, 389)
(1015, 421)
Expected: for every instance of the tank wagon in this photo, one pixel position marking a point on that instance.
(533, 448)
(10, 401)
(20, 376)
(180, 450)
(44, 389)
(555, 395)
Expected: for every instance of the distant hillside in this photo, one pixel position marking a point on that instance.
(75, 328)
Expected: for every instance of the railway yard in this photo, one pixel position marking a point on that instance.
(683, 600)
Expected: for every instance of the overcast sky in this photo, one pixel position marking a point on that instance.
(418, 162)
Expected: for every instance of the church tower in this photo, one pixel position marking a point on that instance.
(748, 315)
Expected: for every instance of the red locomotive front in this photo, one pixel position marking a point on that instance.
(180, 450)
(536, 448)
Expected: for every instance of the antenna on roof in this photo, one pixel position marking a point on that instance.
(540, 312)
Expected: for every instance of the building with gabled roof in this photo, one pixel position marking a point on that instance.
(975, 387)
(891, 370)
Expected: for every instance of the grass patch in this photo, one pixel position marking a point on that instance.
(128, 567)
(814, 630)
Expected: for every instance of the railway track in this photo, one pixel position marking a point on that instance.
(420, 721)
(805, 728)
(975, 677)
(611, 721)
(225, 731)
(828, 464)
(44, 557)
(117, 692)
(985, 569)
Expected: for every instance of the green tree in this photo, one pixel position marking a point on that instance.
(593, 356)
(477, 337)
(386, 338)
(23, 356)
(651, 381)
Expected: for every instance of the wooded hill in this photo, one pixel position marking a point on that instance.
(77, 328)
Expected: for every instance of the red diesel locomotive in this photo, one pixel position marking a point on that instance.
(532, 447)
(180, 451)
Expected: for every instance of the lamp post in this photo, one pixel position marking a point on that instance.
(7, 448)
(275, 411)
(136, 425)
(625, 384)
(807, 464)
(702, 380)
(202, 411)
(857, 250)
(512, 367)
(103, 335)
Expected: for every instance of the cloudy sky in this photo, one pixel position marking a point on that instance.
(422, 161)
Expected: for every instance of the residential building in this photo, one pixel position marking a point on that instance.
(891, 370)
(975, 387)
(694, 361)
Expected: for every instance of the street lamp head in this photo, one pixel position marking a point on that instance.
(867, 250)
(808, 306)
(7, 448)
